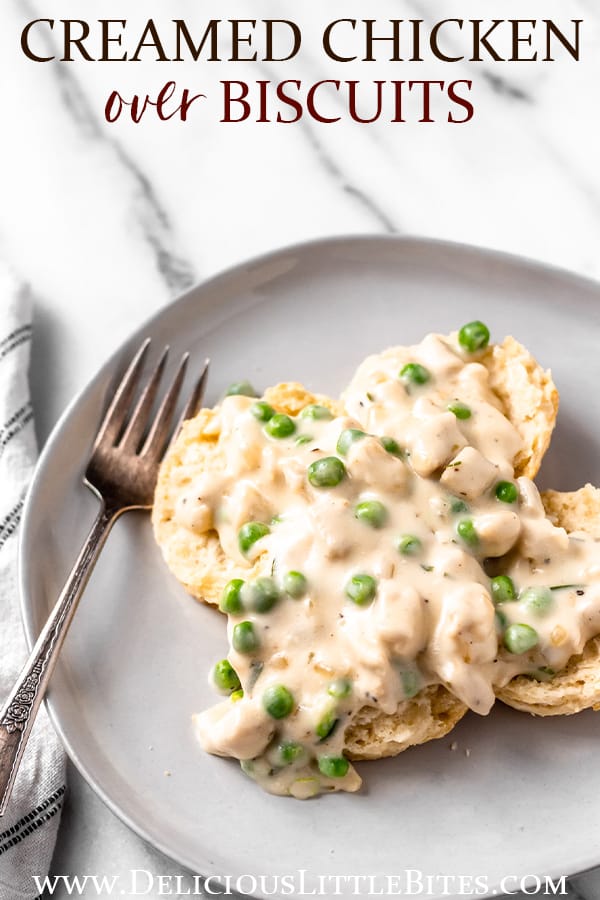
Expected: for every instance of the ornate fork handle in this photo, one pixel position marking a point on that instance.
(18, 713)
(122, 472)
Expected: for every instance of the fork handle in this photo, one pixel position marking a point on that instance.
(18, 713)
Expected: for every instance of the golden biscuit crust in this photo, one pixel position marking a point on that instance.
(574, 510)
(529, 399)
(428, 716)
(578, 686)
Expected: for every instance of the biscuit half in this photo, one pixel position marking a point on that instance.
(578, 686)
(198, 560)
(529, 399)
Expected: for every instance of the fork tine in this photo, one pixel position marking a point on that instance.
(159, 432)
(114, 417)
(140, 417)
(195, 398)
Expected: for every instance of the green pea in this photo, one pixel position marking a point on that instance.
(333, 766)
(501, 621)
(236, 695)
(348, 437)
(460, 410)
(340, 688)
(289, 751)
(326, 472)
(537, 600)
(250, 533)
(280, 426)
(316, 412)
(361, 589)
(295, 584)
(225, 677)
(277, 701)
(326, 725)
(474, 336)
(262, 595)
(371, 512)
(467, 532)
(506, 491)
(520, 638)
(230, 598)
(241, 389)
(303, 439)
(262, 411)
(415, 373)
(392, 446)
(408, 545)
(411, 683)
(458, 506)
(244, 638)
(503, 589)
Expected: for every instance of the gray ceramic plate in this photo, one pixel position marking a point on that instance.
(524, 799)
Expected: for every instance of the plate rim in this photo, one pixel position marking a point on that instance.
(512, 260)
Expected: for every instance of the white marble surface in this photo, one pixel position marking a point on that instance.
(107, 223)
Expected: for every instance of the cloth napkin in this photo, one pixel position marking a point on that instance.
(28, 828)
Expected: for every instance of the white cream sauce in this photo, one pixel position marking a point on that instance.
(432, 620)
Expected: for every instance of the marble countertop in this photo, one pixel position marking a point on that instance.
(105, 223)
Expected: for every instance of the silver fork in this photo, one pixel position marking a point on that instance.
(122, 472)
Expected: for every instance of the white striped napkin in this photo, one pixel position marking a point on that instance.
(28, 828)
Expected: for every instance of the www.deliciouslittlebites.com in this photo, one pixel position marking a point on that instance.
(329, 100)
(300, 883)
